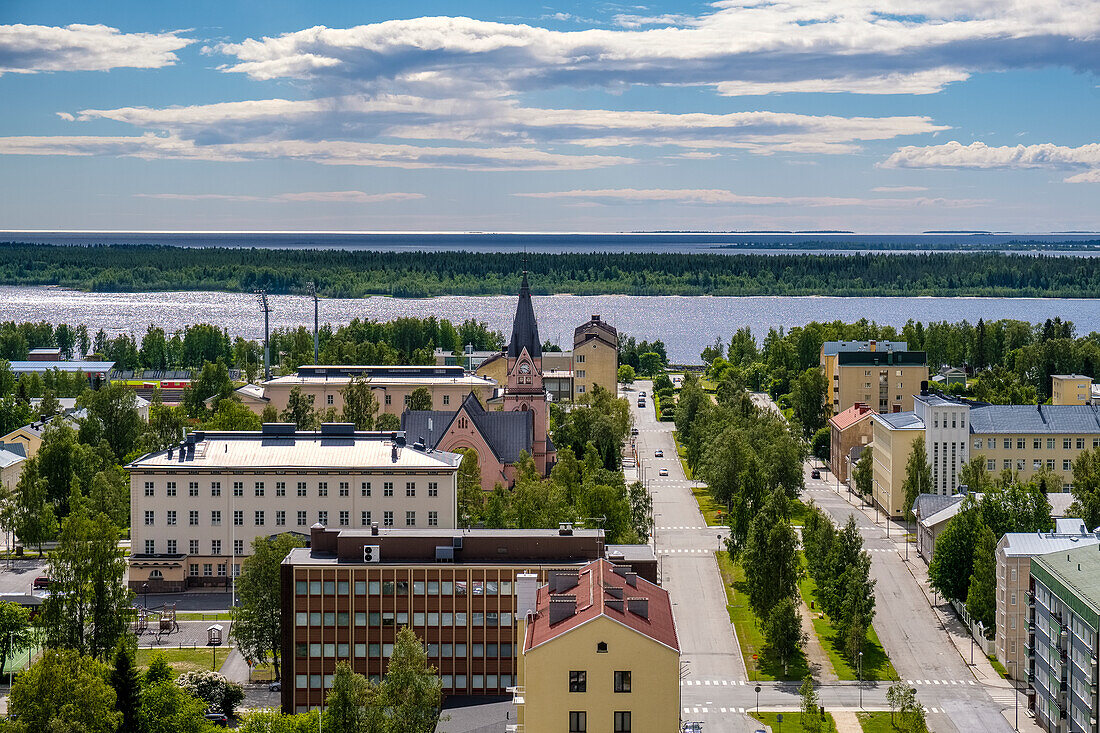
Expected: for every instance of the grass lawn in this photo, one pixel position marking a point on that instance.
(185, 660)
(263, 673)
(196, 616)
(750, 636)
(681, 452)
(999, 667)
(798, 513)
(791, 721)
(876, 665)
(877, 722)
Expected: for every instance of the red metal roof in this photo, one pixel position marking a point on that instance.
(851, 416)
(592, 601)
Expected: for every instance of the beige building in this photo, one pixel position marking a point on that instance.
(892, 439)
(12, 461)
(1014, 553)
(850, 429)
(391, 385)
(29, 437)
(196, 508)
(881, 374)
(1070, 389)
(600, 653)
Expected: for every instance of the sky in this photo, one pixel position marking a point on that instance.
(245, 115)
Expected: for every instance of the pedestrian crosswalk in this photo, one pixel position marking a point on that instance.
(715, 683)
(685, 527)
(944, 683)
(697, 711)
(686, 552)
(1003, 698)
(911, 683)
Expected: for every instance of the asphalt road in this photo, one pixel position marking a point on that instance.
(714, 686)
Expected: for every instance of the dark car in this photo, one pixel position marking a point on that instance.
(41, 583)
(815, 473)
(658, 453)
(218, 719)
(275, 687)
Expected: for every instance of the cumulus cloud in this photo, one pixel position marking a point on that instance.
(863, 46)
(324, 152)
(980, 156)
(28, 49)
(355, 197)
(507, 122)
(720, 197)
(899, 189)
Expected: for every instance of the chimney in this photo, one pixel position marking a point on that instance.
(393, 453)
(562, 607)
(638, 606)
(924, 389)
(527, 587)
(871, 345)
(595, 316)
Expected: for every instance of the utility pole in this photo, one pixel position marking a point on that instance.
(266, 308)
(316, 342)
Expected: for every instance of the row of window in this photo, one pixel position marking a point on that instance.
(450, 682)
(259, 518)
(375, 651)
(259, 488)
(578, 681)
(208, 570)
(578, 721)
(395, 619)
(1036, 443)
(1020, 463)
(401, 587)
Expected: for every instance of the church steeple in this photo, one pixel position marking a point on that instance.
(525, 331)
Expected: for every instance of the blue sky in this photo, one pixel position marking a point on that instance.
(865, 115)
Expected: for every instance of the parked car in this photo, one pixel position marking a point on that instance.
(663, 472)
(41, 583)
(641, 394)
(641, 403)
(658, 453)
(218, 719)
(275, 687)
(634, 431)
(815, 473)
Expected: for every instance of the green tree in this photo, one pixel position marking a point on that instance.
(212, 381)
(783, 635)
(918, 475)
(257, 621)
(49, 406)
(650, 363)
(953, 556)
(420, 399)
(64, 691)
(854, 637)
(115, 407)
(354, 704)
(471, 497)
(770, 559)
(360, 405)
(154, 349)
(126, 682)
(981, 596)
(273, 721)
(411, 688)
(87, 610)
(33, 517)
(270, 414)
(811, 706)
(110, 495)
(158, 671)
(863, 474)
(214, 689)
(974, 475)
(626, 374)
(641, 510)
(231, 414)
(819, 444)
(1015, 508)
(165, 426)
(16, 632)
(901, 697)
(167, 708)
(387, 422)
(808, 400)
(299, 410)
(1086, 487)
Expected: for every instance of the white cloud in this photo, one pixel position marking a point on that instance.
(356, 197)
(899, 189)
(718, 197)
(28, 49)
(864, 46)
(506, 122)
(324, 152)
(980, 156)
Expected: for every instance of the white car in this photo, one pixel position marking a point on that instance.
(663, 472)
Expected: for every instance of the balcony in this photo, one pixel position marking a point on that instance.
(517, 694)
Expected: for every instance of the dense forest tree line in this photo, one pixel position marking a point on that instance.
(353, 274)
(400, 341)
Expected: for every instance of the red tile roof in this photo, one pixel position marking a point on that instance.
(851, 416)
(592, 601)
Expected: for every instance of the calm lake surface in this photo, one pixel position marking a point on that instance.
(685, 323)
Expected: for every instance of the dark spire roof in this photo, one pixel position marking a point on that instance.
(525, 331)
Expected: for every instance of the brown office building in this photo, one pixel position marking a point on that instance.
(346, 596)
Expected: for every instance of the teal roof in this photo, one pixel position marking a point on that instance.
(1074, 576)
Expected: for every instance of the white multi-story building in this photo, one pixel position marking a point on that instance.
(196, 507)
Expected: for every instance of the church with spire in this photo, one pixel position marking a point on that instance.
(499, 436)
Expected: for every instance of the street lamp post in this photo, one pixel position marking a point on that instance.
(1015, 692)
(859, 676)
(11, 655)
(758, 698)
(145, 593)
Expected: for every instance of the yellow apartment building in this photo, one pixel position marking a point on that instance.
(881, 374)
(1070, 389)
(892, 438)
(600, 653)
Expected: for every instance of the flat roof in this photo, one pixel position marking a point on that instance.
(1030, 544)
(65, 366)
(900, 420)
(254, 449)
(467, 380)
(1078, 570)
(1070, 376)
(832, 348)
(1051, 419)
